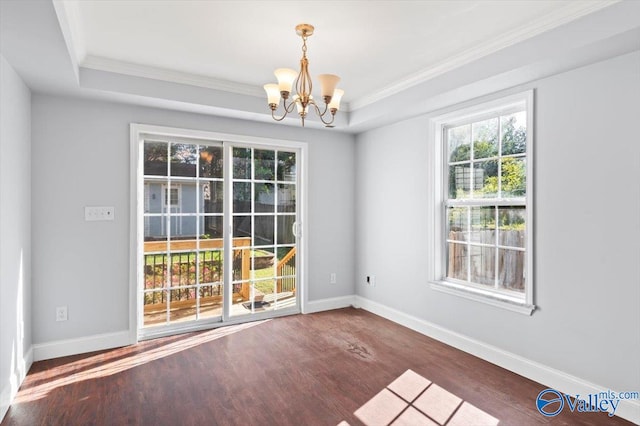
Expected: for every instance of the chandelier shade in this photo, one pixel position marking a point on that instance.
(286, 77)
(335, 100)
(273, 93)
(289, 79)
(328, 83)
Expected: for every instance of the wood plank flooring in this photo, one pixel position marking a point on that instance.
(315, 369)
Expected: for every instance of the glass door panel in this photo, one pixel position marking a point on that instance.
(183, 215)
(264, 209)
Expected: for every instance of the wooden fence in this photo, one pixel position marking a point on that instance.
(510, 266)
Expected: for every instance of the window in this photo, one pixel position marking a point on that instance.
(171, 196)
(483, 206)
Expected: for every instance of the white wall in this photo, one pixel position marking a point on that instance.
(15, 232)
(81, 158)
(587, 218)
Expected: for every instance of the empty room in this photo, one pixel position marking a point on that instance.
(319, 212)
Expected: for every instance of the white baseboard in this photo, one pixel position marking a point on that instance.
(328, 304)
(98, 342)
(555, 379)
(9, 391)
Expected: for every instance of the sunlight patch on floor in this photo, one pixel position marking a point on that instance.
(40, 384)
(412, 400)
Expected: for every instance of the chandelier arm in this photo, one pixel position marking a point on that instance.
(326, 107)
(273, 115)
(321, 116)
(287, 110)
(328, 123)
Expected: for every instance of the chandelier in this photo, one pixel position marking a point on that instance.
(303, 99)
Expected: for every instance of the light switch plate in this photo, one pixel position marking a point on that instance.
(98, 213)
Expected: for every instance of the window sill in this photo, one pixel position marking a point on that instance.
(487, 297)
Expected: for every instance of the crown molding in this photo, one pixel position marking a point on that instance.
(172, 76)
(568, 13)
(155, 73)
(68, 14)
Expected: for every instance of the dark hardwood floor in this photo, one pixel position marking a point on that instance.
(312, 369)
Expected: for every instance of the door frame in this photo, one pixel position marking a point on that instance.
(136, 229)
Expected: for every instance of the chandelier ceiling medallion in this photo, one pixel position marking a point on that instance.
(303, 99)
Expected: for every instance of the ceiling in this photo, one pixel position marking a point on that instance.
(397, 59)
(373, 45)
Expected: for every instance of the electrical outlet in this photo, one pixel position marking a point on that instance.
(333, 278)
(61, 313)
(371, 280)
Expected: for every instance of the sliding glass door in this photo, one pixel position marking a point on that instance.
(218, 241)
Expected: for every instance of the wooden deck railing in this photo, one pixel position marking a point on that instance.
(189, 245)
(287, 268)
(210, 270)
(183, 273)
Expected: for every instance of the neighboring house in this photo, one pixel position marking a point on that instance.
(179, 199)
(175, 199)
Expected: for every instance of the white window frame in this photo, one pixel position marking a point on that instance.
(437, 210)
